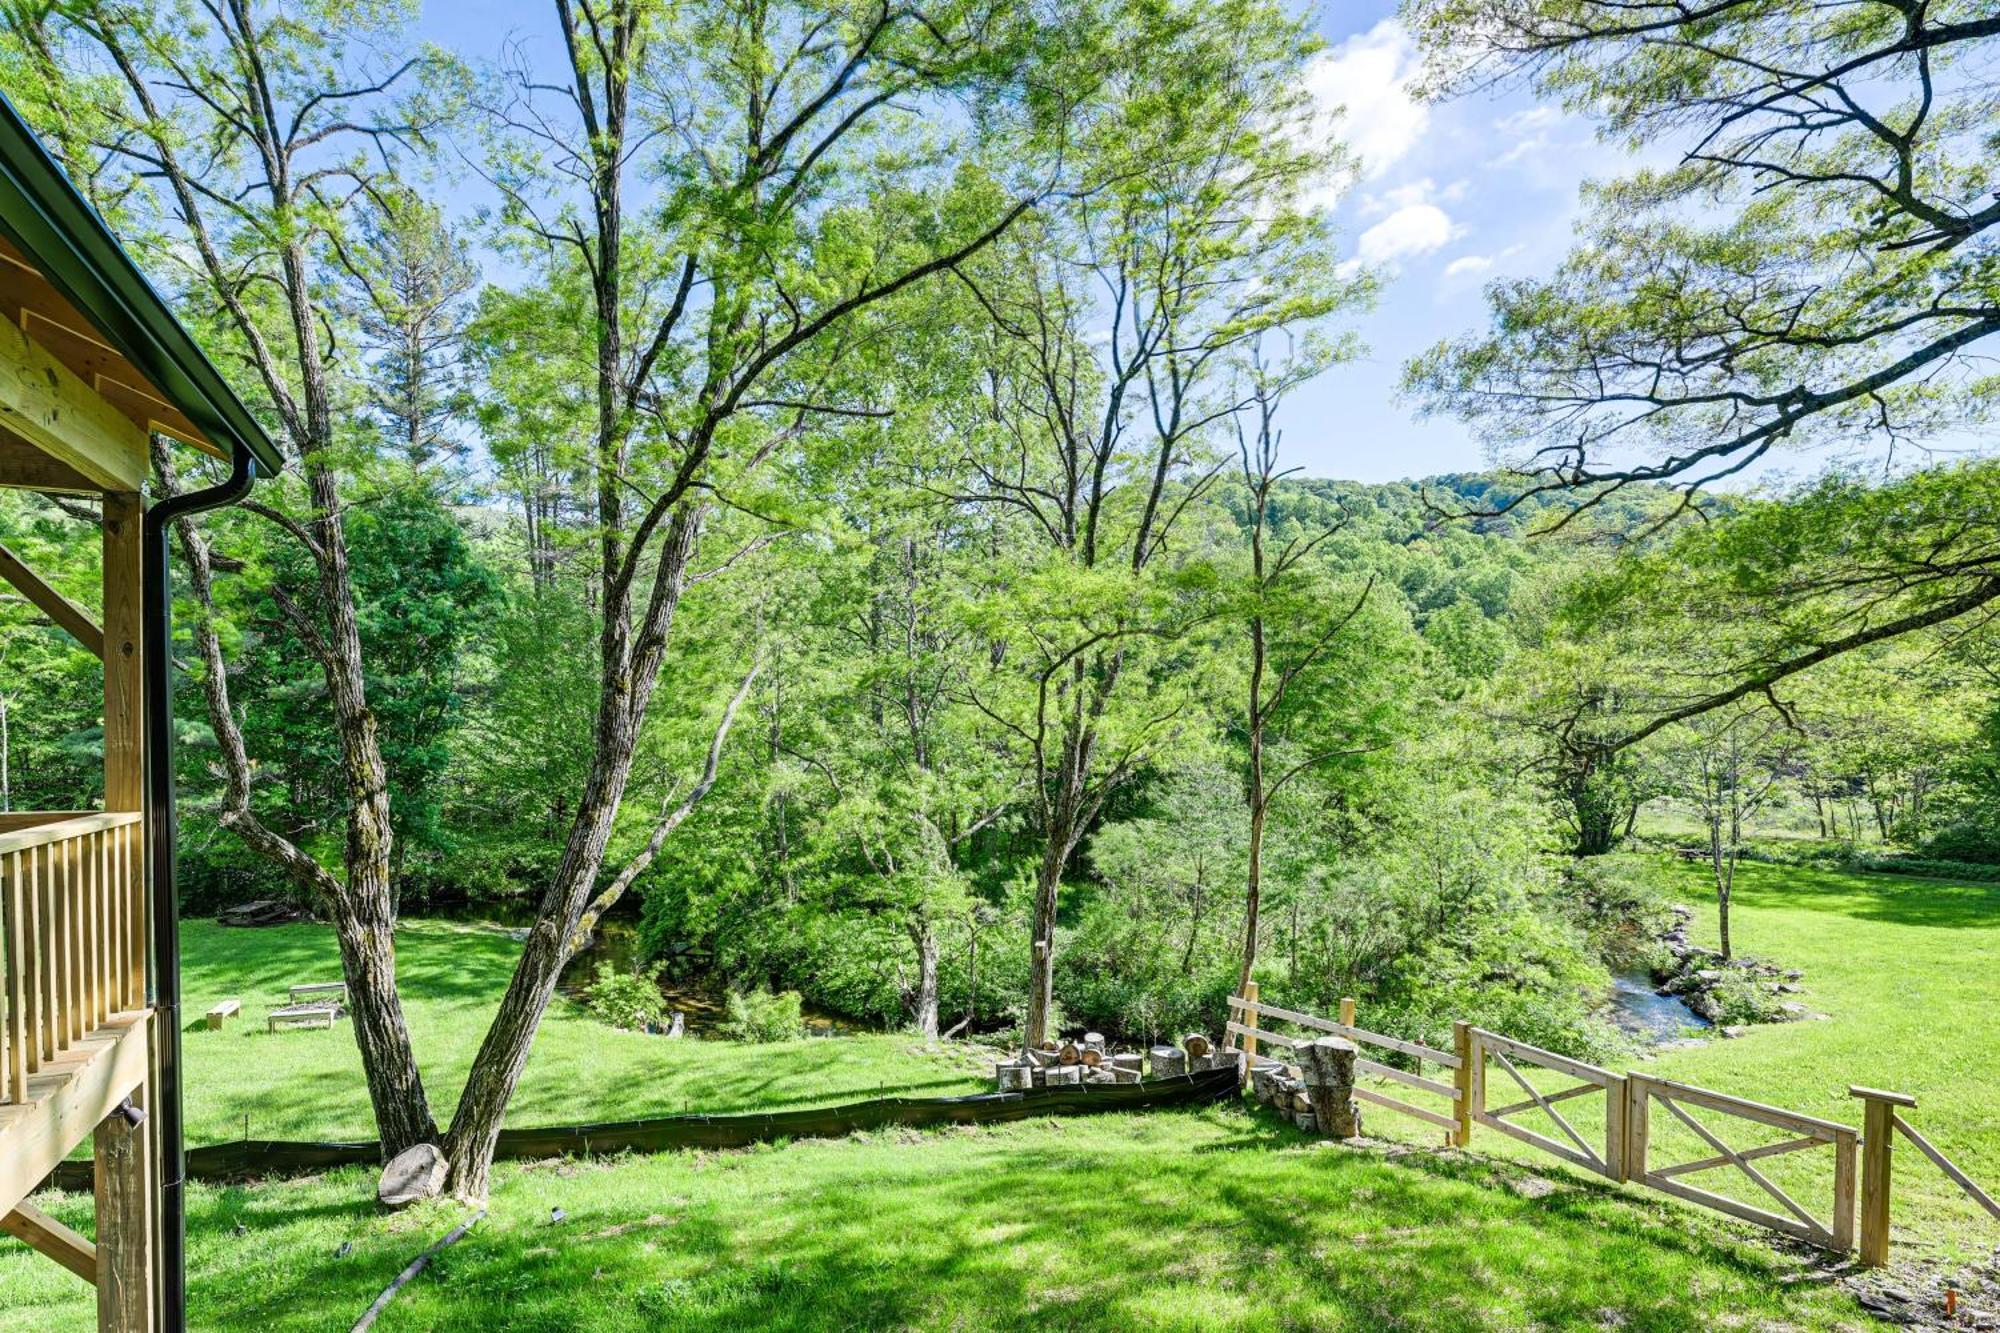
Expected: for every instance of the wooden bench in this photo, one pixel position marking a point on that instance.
(224, 1010)
(338, 989)
(319, 1014)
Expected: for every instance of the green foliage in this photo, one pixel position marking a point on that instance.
(629, 1000)
(760, 1016)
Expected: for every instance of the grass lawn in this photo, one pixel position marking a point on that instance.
(1219, 1219)
(1908, 971)
(307, 1084)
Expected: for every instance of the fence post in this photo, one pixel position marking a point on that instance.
(1617, 1134)
(1637, 1112)
(1878, 1132)
(1249, 1021)
(1347, 1010)
(1462, 1046)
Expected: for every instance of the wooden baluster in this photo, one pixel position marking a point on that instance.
(135, 892)
(40, 975)
(13, 936)
(69, 993)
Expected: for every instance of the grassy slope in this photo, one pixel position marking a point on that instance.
(1908, 971)
(1217, 1219)
(307, 1084)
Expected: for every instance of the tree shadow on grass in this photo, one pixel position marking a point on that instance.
(1000, 1234)
(1904, 900)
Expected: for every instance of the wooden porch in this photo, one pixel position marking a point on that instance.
(94, 370)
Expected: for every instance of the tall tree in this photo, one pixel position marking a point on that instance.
(721, 318)
(1323, 665)
(1114, 319)
(253, 140)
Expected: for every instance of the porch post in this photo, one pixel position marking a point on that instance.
(127, 1172)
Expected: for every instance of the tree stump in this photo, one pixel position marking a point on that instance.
(414, 1174)
(1168, 1061)
(1196, 1047)
(1122, 1073)
(1131, 1060)
(679, 1026)
(1015, 1078)
(1328, 1065)
(1093, 1041)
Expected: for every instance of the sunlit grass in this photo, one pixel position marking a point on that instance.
(1221, 1219)
(1908, 972)
(306, 1083)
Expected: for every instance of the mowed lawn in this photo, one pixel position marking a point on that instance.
(306, 1083)
(1908, 972)
(1217, 1219)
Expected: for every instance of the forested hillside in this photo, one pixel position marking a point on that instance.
(859, 820)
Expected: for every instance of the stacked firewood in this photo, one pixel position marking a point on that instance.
(1278, 1086)
(1090, 1059)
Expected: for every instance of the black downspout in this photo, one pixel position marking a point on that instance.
(161, 830)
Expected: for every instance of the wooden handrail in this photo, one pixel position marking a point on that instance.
(65, 826)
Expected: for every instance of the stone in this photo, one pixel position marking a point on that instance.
(1793, 974)
(412, 1175)
(1735, 1030)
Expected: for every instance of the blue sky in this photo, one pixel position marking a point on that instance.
(1451, 196)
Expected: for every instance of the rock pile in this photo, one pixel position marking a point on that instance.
(1742, 989)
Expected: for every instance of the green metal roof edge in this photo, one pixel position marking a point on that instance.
(58, 230)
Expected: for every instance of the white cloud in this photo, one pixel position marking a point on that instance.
(1425, 191)
(1362, 91)
(1414, 229)
(1467, 264)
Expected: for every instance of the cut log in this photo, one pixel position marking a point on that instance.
(1068, 1054)
(1091, 1056)
(1329, 1079)
(1131, 1060)
(1196, 1046)
(679, 1026)
(1039, 1075)
(1306, 1121)
(1063, 1075)
(1039, 1059)
(1093, 1041)
(1122, 1073)
(1168, 1061)
(413, 1175)
(1014, 1078)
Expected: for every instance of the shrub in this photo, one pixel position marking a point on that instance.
(759, 1015)
(625, 999)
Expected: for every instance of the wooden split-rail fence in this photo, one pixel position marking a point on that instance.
(1494, 1080)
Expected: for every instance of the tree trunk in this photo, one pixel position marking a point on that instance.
(1041, 964)
(924, 936)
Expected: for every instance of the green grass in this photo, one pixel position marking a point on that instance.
(1221, 1219)
(1908, 971)
(307, 1083)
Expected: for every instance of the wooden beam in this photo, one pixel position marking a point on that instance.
(26, 468)
(67, 614)
(127, 1180)
(124, 683)
(66, 1098)
(43, 402)
(44, 1235)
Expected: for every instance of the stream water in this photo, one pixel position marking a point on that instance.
(1638, 1010)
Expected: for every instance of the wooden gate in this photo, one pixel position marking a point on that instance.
(1645, 1093)
(1607, 1160)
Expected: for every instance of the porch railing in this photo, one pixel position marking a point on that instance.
(72, 936)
